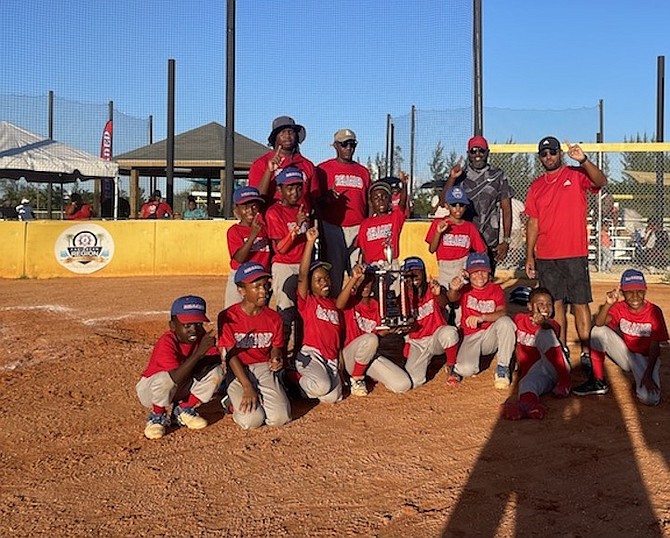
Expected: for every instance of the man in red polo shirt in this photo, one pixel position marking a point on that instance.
(343, 206)
(285, 139)
(556, 236)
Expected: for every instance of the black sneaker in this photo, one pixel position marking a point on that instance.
(585, 363)
(592, 386)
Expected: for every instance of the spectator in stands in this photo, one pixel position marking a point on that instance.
(156, 208)
(556, 237)
(606, 252)
(654, 242)
(8, 211)
(77, 209)
(25, 210)
(490, 197)
(193, 212)
(285, 139)
(343, 205)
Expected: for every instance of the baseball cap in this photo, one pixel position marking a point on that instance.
(380, 184)
(281, 123)
(318, 263)
(520, 295)
(249, 272)
(189, 309)
(632, 279)
(413, 262)
(549, 142)
(344, 134)
(456, 195)
(478, 142)
(477, 262)
(289, 176)
(246, 194)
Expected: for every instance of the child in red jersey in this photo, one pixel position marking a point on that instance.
(184, 369)
(630, 331)
(287, 223)
(361, 319)
(486, 327)
(383, 226)
(451, 239)
(251, 334)
(317, 361)
(430, 335)
(542, 364)
(247, 240)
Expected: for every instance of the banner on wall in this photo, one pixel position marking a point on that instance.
(106, 149)
(84, 248)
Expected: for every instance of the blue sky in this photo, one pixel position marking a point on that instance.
(343, 64)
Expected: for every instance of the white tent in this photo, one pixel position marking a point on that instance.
(27, 155)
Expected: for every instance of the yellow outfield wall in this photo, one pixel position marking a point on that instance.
(50, 249)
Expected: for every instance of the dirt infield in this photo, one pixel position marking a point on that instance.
(432, 462)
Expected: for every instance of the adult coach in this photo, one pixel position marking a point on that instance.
(284, 139)
(343, 206)
(490, 197)
(556, 235)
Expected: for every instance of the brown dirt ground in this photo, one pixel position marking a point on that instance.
(433, 462)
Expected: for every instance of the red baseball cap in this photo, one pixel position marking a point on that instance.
(478, 142)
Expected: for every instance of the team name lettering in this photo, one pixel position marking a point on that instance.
(253, 340)
(525, 339)
(364, 324)
(456, 240)
(383, 231)
(327, 315)
(635, 329)
(483, 307)
(426, 309)
(345, 180)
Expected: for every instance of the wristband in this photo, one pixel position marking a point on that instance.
(505, 239)
(586, 158)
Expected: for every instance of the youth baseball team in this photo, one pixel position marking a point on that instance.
(315, 238)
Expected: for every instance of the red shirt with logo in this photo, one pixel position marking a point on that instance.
(238, 235)
(429, 317)
(558, 202)
(475, 302)
(280, 220)
(638, 329)
(252, 336)
(310, 188)
(169, 353)
(458, 241)
(376, 231)
(322, 323)
(351, 181)
(527, 353)
(360, 318)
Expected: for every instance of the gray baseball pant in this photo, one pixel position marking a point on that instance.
(542, 376)
(319, 377)
(273, 408)
(422, 350)
(606, 340)
(499, 337)
(159, 389)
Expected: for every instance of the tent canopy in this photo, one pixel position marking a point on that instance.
(27, 155)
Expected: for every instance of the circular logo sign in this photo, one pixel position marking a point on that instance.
(84, 248)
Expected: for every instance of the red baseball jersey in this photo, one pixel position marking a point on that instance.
(252, 336)
(475, 302)
(360, 318)
(351, 182)
(457, 241)
(169, 353)
(638, 329)
(527, 353)
(378, 229)
(429, 315)
(238, 235)
(558, 202)
(322, 323)
(280, 220)
(310, 188)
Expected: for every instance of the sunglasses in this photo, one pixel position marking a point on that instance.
(477, 151)
(458, 204)
(546, 152)
(350, 143)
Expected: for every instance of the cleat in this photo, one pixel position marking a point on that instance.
(512, 411)
(592, 386)
(454, 379)
(358, 387)
(501, 381)
(187, 416)
(156, 424)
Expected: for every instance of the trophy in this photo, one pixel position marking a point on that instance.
(392, 293)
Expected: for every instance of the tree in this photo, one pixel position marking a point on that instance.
(438, 164)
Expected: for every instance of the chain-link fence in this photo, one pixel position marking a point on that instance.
(627, 221)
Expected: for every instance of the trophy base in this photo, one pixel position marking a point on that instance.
(388, 324)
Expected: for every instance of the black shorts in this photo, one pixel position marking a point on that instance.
(566, 279)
